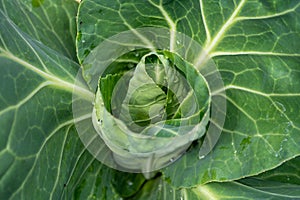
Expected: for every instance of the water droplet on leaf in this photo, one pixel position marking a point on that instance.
(159, 187)
(288, 127)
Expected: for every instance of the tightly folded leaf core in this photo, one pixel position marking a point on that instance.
(149, 113)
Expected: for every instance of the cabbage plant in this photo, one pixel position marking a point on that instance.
(152, 99)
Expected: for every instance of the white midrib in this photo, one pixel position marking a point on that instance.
(172, 26)
(211, 44)
(67, 86)
(170, 22)
(263, 53)
(206, 193)
(208, 37)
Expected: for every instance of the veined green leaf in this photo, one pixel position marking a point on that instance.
(269, 185)
(288, 172)
(39, 148)
(249, 188)
(50, 22)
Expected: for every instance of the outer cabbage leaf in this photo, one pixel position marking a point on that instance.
(41, 155)
(50, 22)
(286, 173)
(280, 183)
(101, 182)
(255, 45)
(160, 190)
